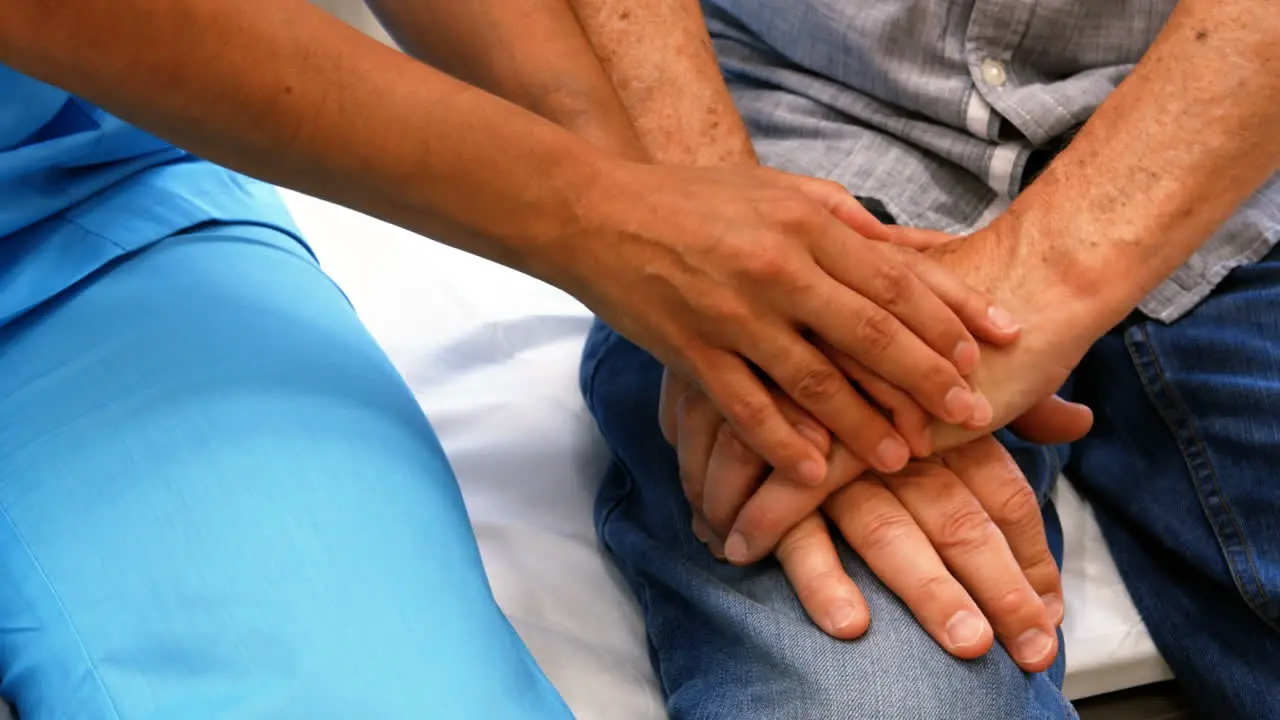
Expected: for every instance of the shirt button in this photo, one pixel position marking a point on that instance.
(993, 72)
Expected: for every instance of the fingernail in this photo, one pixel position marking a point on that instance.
(959, 404)
(812, 434)
(965, 356)
(1033, 645)
(982, 412)
(736, 548)
(1001, 319)
(892, 454)
(811, 472)
(965, 628)
(840, 617)
(1053, 607)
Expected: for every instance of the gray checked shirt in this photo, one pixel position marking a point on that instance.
(942, 110)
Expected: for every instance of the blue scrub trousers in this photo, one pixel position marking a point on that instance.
(218, 499)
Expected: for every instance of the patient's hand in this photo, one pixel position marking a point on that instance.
(959, 539)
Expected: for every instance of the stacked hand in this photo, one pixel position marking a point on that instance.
(745, 271)
(958, 537)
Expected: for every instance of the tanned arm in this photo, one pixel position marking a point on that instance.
(531, 52)
(659, 58)
(283, 91)
(1162, 164)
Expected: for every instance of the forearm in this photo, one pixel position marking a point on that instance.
(660, 60)
(282, 91)
(531, 52)
(1162, 164)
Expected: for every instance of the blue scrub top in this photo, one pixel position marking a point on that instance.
(80, 187)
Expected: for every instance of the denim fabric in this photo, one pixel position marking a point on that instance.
(735, 643)
(1181, 469)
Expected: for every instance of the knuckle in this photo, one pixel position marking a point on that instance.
(964, 530)
(727, 310)
(1041, 567)
(813, 582)
(1018, 509)
(766, 264)
(876, 331)
(818, 384)
(885, 529)
(933, 589)
(749, 412)
(1009, 602)
(891, 283)
(798, 544)
(792, 210)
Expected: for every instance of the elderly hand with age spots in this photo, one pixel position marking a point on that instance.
(957, 536)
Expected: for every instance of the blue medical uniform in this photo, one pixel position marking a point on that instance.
(218, 499)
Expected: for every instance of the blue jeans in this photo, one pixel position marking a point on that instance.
(1181, 468)
(218, 499)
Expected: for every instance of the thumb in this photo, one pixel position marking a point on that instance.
(1053, 420)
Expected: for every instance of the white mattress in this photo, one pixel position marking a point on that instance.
(492, 356)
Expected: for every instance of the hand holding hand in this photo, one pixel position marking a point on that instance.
(1019, 379)
(719, 273)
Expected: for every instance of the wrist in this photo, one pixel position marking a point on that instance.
(1058, 280)
(589, 189)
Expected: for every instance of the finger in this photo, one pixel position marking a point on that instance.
(837, 200)
(917, 238)
(888, 539)
(1052, 421)
(698, 424)
(909, 419)
(826, 591)
(976, 553)
(818, 386)
(1000, 487)
(674, 387)
(734, 472)
(868, 329)
(747, 405)
(976, 309)
(780, 504)
(701, 530)
(813, 431)
(879, 274)
(703, 533)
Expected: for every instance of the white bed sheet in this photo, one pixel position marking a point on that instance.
(492, 356)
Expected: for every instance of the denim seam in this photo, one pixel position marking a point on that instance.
(1232, 542)
(75, 632)
(642, 593)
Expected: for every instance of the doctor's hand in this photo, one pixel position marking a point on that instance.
(723, 273)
